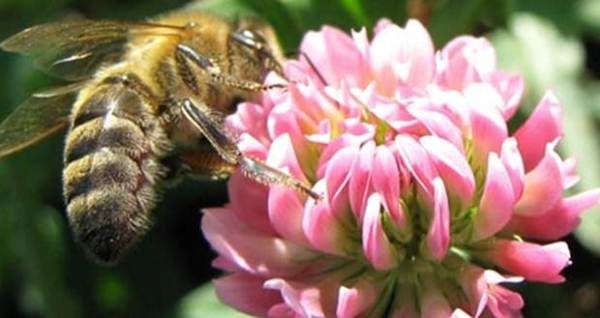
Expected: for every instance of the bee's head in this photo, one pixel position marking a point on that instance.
(258, 39)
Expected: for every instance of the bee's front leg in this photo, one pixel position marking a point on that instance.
(186, 53)
(209, 123)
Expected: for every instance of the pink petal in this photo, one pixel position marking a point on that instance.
(332, 148)
(304, 300)
(452, 167)
(438, 124)
(310, 104)
(286, 210)
(386, 181)
(296, 71)
(322, 228)
(500, 301)
(249, 202)
(402, 56)
(249, 118)
(225, 264)
(382, 57)
(360, 182)
(232, 290)
(543, 186)
(488, 128)
(376, 246)
(363, 131)
(543, 126)
(354, 301)
(569, 169)
(505, 303)
(398, 118)
(337, 178)
(286, 213)
(438, 236)
(510, 87)
(348, 103)
(282, 155)
(465, 60)
(541, 263)
(361, 41)
(334, 54)
(452, 104)
(303, 105)
(251, 250)
(252, 147)
(414, 157)
(483, 291)
(511, 158)
(281, 123)
(484, 97)
(422, 64)
(497, 200)
(382, 24)
(559, 221)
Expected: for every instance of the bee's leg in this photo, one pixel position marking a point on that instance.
(199, 163)
(203, 118)
(207, 163)
(188, 54)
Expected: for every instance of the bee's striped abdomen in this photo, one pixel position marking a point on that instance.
(112, 155)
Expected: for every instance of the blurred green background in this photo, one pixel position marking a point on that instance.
(554, 43)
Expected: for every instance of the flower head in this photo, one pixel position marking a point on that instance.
(429, 201)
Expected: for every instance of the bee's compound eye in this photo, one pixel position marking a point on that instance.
(248, 34)
(250, 39)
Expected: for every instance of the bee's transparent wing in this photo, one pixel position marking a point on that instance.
(38, 117)
(73, 50)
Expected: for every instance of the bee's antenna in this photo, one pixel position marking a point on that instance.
(314, 68)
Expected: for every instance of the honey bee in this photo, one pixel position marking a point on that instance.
(145, 103)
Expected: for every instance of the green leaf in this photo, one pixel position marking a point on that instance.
(394, 10)
(588, 12)
(226, 8)
(562, 14)
(202, 302)
(112, 292)
(356, 10)
(525, 49)
(450, 18)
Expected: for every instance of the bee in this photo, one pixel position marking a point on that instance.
(145, 103)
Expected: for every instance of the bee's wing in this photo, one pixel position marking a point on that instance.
(38, 117)
(74, 50)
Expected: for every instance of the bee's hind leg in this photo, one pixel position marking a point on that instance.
(210, 124)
